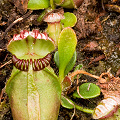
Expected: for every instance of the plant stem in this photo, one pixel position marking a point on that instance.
(61, 75)
(54, 30)
(86, 110)
(52, 4)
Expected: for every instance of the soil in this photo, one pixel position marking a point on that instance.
(98, 46)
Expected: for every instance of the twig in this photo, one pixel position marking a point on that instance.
(16, 21)
(9, 62)
(78, 88)
(97, 59)
(86, 73)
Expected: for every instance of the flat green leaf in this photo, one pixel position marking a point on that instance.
(68, 4)
(70, 64)
(88, 90)
(67, 103)
(56, 58)
(66, 47)
(38, 4)
(69, 20)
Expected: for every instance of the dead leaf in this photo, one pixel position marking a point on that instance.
(21, 5)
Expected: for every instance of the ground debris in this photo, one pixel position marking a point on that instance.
(21, 5)
(86, 19)
(111, 85)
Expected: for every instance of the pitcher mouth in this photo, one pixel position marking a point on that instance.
(37, 64)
